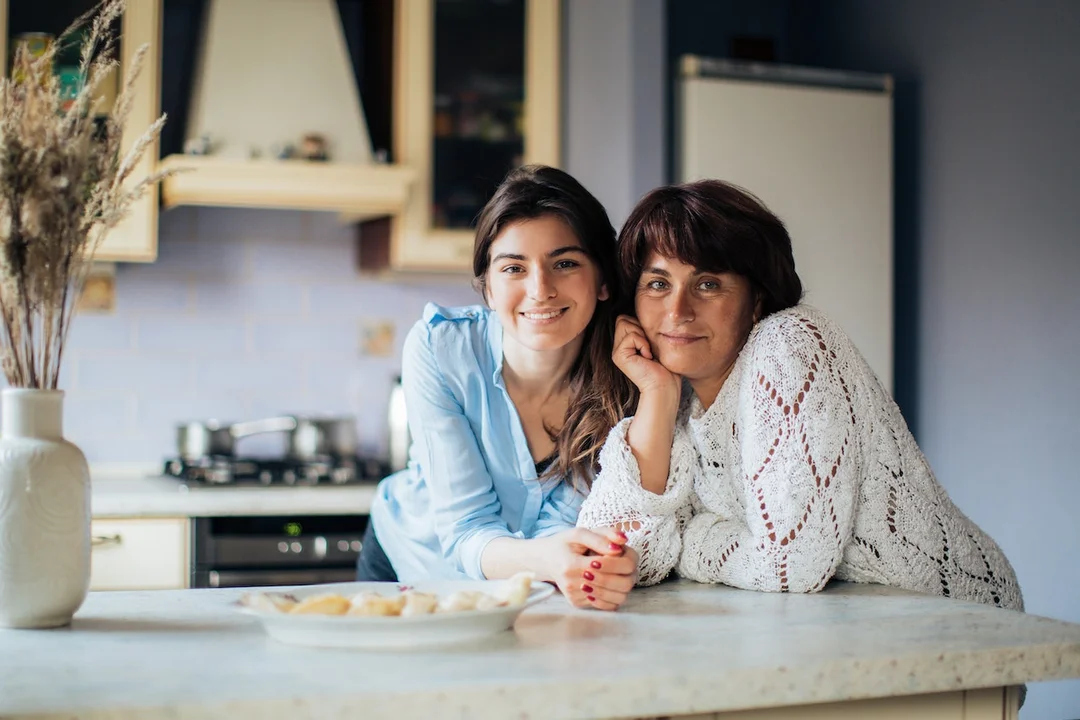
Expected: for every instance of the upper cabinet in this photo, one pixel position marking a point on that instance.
(134, 239)
(476, 93)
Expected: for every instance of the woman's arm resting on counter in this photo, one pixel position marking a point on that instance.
(652, 522)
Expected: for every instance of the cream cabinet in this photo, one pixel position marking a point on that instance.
(989, 704)
(134, 239)
(476, 93)
(140, 554)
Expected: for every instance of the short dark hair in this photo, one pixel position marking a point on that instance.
(599, 393)
(716, 227)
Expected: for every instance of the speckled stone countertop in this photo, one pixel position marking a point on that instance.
(676, 648)
(126, 495)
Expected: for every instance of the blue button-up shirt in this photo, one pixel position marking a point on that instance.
(470, 478)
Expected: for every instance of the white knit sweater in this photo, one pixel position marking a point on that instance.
(801, 470)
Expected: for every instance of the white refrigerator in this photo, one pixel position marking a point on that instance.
(816, 147)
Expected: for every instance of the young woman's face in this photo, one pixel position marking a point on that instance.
(696, 322)
(542, 284)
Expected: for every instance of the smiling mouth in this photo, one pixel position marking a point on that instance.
(680, 339)
(545, 316)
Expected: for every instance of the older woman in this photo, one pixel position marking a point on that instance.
(785, 463)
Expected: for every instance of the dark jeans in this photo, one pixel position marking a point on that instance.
(373, 565)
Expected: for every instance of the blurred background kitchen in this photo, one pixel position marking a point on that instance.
(343, 147)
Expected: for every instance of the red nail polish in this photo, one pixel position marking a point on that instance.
(615, 547)
(590, 598)
(621, 534)
(586, 588)
(588, 575)
(595, 564)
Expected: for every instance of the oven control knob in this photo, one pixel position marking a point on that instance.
(295, 547)
(283, 547)
(343, 545)
(355, 545)
(289, 476)
(265, 477)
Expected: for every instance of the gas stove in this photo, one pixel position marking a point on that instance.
(229, 471)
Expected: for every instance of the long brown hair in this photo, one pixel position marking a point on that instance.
(599, 393)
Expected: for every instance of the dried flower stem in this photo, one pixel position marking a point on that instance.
(63, 186)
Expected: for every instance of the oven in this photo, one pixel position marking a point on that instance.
(275, 550)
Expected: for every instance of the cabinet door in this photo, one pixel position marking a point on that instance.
(476, 94)
(135, 554)
(134, 239)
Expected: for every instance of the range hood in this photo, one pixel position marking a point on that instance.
(267, 73)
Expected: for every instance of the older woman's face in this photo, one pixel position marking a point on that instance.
(696, 321)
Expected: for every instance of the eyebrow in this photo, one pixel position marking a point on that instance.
(656, 271)
(554, 253)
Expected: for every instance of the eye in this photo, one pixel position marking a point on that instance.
(709, 285)
(655, 285)
(512, 269)
(567, 264)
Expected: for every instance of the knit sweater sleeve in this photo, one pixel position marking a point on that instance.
(798, 451)
(653, 523)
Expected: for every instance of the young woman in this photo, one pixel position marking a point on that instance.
(509, 405)
(787, 463)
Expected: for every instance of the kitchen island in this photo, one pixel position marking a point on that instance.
(675, 649)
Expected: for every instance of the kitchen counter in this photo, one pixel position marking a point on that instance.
(133, 495)
(678, 648)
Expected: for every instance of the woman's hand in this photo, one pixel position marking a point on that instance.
(591, 567)
(634, 357)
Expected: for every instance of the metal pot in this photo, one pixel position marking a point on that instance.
(311, 438)
(200, 439)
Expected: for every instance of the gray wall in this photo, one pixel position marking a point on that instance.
(614, 80)
(988, 159)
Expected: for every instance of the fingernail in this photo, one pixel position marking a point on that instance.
(588, 575)
(615, 547)
(590, 598)
(586, 588)
(595, 564)
(621, 534)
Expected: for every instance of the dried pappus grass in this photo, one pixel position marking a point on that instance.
(63, 185)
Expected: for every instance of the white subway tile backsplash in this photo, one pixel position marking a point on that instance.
(144, 288)
(200, 335)
(100, 332)
(334, 336)
(141, 373)
(266, 372)
(245, 314)
(276, 300)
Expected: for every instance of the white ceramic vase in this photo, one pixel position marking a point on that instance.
(44, 513)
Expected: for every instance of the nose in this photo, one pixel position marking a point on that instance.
(680, 307)
(540, 285)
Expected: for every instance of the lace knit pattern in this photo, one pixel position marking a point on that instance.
(802, 470)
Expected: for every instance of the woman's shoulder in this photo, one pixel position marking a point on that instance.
(790, 339)
(795, 326)
(460, 316)
(448, 336)
(465, 322)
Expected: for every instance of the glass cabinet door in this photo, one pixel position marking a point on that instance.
(476, 94)
(479, 96)
(36, 22)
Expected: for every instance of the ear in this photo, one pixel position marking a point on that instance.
(603, 294)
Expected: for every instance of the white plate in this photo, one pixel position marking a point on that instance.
(392, 632)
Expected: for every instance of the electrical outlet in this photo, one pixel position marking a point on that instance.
(377, 338)
(98, 295)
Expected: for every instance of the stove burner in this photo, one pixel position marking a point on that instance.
(225, 470)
